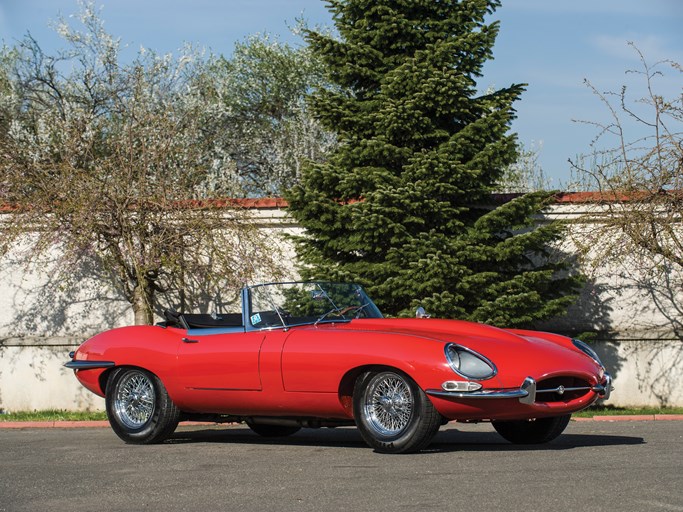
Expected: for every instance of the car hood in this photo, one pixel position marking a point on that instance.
(445, 330)
(513, 352)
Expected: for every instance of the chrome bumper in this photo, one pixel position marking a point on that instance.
(526, 393)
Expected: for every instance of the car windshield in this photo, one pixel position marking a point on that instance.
(289, 304)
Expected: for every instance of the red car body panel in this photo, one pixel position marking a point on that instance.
(308, 371)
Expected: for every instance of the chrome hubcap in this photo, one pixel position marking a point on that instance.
(134, 402)
(388, 405)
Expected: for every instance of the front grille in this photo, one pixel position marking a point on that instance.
(561, 389)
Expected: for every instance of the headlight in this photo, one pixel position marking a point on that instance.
(583, 347)
(468, 363)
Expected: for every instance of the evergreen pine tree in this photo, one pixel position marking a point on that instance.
(403, 206)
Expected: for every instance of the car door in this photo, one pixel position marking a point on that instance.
(220, 362)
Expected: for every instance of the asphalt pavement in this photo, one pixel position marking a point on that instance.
(596, 466)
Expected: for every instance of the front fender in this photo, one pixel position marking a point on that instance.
(151, 348)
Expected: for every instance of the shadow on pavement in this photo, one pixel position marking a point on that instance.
(453, 440)
(338, 437)
(450, 440)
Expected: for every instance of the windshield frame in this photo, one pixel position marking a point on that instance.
(271, 294)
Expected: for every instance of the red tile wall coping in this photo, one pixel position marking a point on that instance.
(263, 203)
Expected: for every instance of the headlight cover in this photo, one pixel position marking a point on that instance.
(586, 349)
(468, 363)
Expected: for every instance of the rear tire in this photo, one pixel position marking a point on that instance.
(138, 407)
(538, 431)
(392, 413)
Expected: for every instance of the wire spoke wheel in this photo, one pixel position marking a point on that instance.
(392, 412)
(139, 408)
(389, 404)
(135, 399)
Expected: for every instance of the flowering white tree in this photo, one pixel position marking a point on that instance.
(636, 165)
(259, 94)
(121, 162)
(526, 174)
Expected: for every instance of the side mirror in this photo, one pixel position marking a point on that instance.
(421, 313)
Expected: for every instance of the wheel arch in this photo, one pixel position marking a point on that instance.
(104, 376)
(348, 382)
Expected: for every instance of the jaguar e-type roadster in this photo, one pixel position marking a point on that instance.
(321, 355)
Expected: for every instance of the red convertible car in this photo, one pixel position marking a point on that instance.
(321, 355)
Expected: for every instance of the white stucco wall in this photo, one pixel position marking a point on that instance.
(32, 377)
(42, 319)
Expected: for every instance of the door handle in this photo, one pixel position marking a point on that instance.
(188, 340)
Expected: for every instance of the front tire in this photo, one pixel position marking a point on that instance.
(139, 408)
(392, 413)
(538, 431)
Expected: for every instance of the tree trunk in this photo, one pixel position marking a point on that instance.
(143, 299)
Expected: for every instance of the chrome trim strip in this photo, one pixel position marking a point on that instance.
(603, 390)
(89, 365)
(606, 388)
(210, 331)
(527, 389)
(561, 389)
(489, 393)
(526, 393)
(529, 386)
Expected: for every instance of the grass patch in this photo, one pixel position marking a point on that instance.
(610, 410)
(52, 415)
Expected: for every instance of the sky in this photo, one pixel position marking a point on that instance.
(551, 45)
